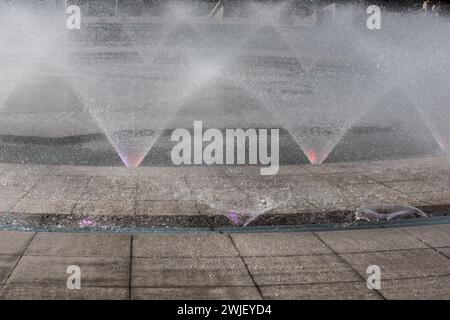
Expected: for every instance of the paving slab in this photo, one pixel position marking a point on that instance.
(435, 236)
(400, 264)
(431, 288)
(150, 172)
(110, 188)
(369, 240)
(99, 245)
(321, 291)
(424, 172)
(292, 170)
(56, 205)
(59, 188)
(318, 194)
(203, 293)
(437, 198)
(89, 171)
(111, 182)
(301, 182)
(278, 244)
(294, 206)
(339, 179)
(22, 181)
(299, 270)
(387, 174)
(112, 194)
(45, 292)
(14, 243)
(95, 272)
(170, 207)
(341, 167)
(30, 171)
(329, 193)
(331, 201)
(186, 272)
(8, 201)
(207, 266)
(13, 192)
(163, 188)
(415, 186)
(370, 192)
(5, 167)
(443, 181)
(105, 207)
(180, 245)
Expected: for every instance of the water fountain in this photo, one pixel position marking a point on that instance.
(317, 83)
(329, 84)
(415, 60)
(430, 91)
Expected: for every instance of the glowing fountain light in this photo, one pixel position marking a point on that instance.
(234, 217)
(319, 103)
(133, 146)
(87, 222)
(132, 111)
(313, 156)
(317, 107)
(131, 160)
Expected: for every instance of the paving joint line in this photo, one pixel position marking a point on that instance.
(347, 264)
(246, 266)
(130, 266)
(191, 286)
(425, 243)
(17, 262)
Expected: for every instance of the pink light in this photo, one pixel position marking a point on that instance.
(312, 156)
(315, 157)
(87, 222)
(132, 160)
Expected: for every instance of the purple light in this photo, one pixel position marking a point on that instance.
(87, 222)
(131, 160)
(234, 217)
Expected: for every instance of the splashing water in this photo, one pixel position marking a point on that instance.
(416, 59)
(317, 103)
(382, 211)
(315, 82)
(239, 201)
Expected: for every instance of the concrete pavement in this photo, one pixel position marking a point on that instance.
(414, 263)
(64, 196)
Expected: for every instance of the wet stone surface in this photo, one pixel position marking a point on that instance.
(196, 197)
